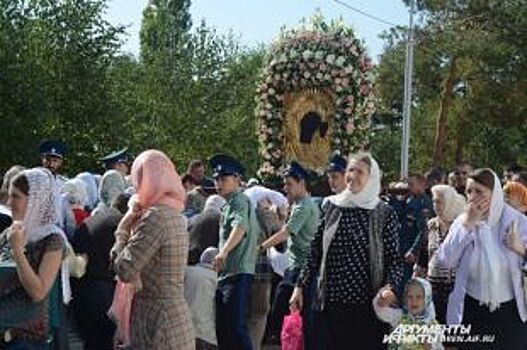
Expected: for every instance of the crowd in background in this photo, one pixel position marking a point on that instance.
(142, 257)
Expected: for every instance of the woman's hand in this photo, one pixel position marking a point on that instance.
(513, 242)
(386, 297)
(130, 218)
(297, 300)
(17, 237)
(476, 212)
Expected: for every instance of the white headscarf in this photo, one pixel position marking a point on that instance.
(91, 188)
(368, 198)
(41, 216)
(490, 251)
(75, 192)
(453, 201)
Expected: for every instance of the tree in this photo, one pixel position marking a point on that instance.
(470, 78)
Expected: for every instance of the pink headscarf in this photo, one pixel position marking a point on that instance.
(156, 181)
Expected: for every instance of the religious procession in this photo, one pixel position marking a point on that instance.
(298, 195)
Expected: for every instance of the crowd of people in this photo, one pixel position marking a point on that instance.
(142, 257)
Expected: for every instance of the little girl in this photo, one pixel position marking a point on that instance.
(418, 309)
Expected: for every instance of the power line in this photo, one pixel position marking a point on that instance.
(375, 18)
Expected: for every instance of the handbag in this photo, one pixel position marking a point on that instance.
(292, 337)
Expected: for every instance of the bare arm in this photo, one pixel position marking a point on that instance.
(277, 238)
(38, 285)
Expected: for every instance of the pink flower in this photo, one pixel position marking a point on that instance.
(364, 89)
(348, 111)
(322, 67)
(350, 127)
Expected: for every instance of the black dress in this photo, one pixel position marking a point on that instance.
(344, 315)
(93, 293)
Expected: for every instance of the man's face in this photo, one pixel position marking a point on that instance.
(337, 181)
(461, 174)
(416, 186)
(122, 168)
(198, 173)
(52, 163)
(226, 184)
(293, 188)
(507, 175)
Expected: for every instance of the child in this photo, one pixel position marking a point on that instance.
(418, 309)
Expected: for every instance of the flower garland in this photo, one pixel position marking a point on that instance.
(315, 56)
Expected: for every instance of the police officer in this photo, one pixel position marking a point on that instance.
(236, 259)
(336, 173)
(52, 154)
(118, 160)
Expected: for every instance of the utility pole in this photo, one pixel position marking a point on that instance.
(407, 106)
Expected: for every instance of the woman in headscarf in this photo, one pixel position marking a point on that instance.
(112, 184)
(152, 242)
(448, 205)
(36, 246)
(74, 191)
(91, 189)
(486, 246)
(516, 196)
(354, 253)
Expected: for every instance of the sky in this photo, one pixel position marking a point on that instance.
(259, 21)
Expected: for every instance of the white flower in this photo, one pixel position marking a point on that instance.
(319, 55)
(340, 61)
(320, 76)
(307, 55)
(271, 91)
(330, 59)
(307, 75)
(293, 54)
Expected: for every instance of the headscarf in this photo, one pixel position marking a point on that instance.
(429, 313)
(214, 203)
(91, 189)
(208, 255)
(489, 250)
(156, 181)
(112, 185)
(368, 198)
(453, 201)
(41, 216)
(75, 192)
(516, 193)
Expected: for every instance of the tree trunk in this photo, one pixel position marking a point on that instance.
(442, 116)
(461, 136)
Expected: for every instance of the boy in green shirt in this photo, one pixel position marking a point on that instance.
(236, 259)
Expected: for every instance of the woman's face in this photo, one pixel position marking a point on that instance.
(415, 299)
(477, 191)
(17, 201)
(439, 204)
(357, 175)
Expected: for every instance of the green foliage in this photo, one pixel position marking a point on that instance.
(62, 76)
(488, 113)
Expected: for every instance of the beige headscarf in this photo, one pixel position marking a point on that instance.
(454, 202)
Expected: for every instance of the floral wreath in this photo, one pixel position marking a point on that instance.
(315, 56)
